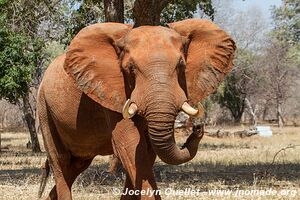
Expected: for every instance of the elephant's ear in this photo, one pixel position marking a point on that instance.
(92, 61)
(209, 56)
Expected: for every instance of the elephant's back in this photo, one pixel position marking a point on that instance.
(79, 120)
(59, 90)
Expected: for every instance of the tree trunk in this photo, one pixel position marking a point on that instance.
(30, 121)
(114, 11)
(279, 115)
(147, 12)
(237, 118)
(252, 112)
(265, 112)
(2, 117)
(237, 112)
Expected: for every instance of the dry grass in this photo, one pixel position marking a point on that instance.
(228, 163)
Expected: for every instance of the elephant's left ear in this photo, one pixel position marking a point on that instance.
(93, 62)
(209, 56)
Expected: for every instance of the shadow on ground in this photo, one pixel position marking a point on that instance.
(189, 174)
(243, 175)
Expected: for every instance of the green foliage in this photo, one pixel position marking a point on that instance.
(286, 33)
(54, 49)
(88, 12)
(239, 84)
(180, 9)
(16, 65)
(208, 104)
(294, 54)
(2, 2)
(287, 22)
(91, 11)
(233, 98)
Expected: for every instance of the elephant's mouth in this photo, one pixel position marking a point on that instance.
(130, 109)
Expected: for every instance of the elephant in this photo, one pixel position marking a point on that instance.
(117, 90)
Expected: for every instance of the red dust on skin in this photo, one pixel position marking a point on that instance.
(83, 92)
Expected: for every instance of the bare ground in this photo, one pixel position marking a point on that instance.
(221, 164)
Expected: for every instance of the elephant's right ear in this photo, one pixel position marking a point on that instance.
(209, 56)
(93, 62)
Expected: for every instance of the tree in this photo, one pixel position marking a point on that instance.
(180, 9)
(114, 11)
(282, 55)
(237, 91)
(26, 28)
(149, 12)
(82, 14)
(287, 22)
(279, 78)
(16, 69)
(90, 12)
(139, 12)
(282, 72)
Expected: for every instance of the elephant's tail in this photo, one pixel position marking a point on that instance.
(45, 174)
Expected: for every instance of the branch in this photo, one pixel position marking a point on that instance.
(283, 149)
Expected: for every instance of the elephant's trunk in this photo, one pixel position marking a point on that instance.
(160, 114)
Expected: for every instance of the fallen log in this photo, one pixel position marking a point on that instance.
(222, 134)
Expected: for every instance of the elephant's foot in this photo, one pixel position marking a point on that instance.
(137, 158)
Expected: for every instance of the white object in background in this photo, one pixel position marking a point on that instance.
(264, 131)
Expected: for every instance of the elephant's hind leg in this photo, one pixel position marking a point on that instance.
(76, 166)
(64, 166)
(137, 158)
(59, 158)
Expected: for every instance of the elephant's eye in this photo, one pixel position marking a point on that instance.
(180, 68)
(131, 67)
(181, 63)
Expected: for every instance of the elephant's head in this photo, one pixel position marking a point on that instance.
(160, 69)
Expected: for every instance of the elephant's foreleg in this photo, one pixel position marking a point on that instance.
(137, 158)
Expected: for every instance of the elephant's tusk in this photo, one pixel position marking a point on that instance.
(189, 109)
(192, 111)
(129, 109)
(132, 109)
